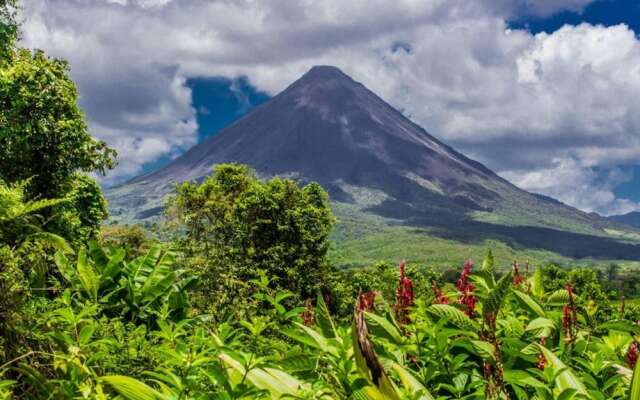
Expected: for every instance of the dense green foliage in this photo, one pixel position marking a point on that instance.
(237, 226)
(8, 27)
(243, 303)
(43, 134)
(44, 139)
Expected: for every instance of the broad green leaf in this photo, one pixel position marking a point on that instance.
(497, 295)
(565, 378)
(411, 384)
(57, 242)
(454, 316)
(323, 318)
(487, 263)
(64, 266)
(367, 360)
(87, 275)
(131, 389)
(622, 326)
(535, 284)
(541, 327)
(322, 342)
(634, 391)
(529, 303)
(484, 349)
(278, 383)
(382, 327)
(558, 298)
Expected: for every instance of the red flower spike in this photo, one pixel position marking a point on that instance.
(404, 296)
(570, 315)
(467, 298)
(307, 314)
(632, 354)
(542, 362)
(366, 301)
(517, 278)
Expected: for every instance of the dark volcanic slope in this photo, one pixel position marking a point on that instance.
(328, 128)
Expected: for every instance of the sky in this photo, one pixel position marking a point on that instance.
(544, 92)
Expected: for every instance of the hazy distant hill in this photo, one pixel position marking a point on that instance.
(631, 219)
(385, 175)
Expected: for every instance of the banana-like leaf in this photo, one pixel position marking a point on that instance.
(382, 327)
(535, 284)
(529, 303)
(64, 266)
(565, 378)
(454, 316)
(323, 318)
(411, 384)
(368, 362)
(160, 279)
(321, 341)
(132, 389)
(634, 390)
(485, 275)
(488, 262)
(114, 264)
(53, 240)
(497, 295)
(87, 275)
(142, 266)
(277, 382)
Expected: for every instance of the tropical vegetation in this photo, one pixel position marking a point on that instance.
(235, 297)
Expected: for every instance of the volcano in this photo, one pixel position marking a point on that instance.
(378, 165)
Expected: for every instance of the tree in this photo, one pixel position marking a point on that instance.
(44, 138)
(237, 225)
(8, 27)
(43, 133)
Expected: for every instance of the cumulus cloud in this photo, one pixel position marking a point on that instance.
(584, 188)
(526, 105)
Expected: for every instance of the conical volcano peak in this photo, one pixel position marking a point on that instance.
(325, 72)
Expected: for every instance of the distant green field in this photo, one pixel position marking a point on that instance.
(362, 239)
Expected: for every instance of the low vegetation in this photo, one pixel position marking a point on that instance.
(236, 297)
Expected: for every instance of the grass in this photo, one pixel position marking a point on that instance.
(362, 239)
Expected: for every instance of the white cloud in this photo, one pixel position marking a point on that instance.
(525, 105)
(571, 183)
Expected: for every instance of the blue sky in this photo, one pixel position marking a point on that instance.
(542, 92)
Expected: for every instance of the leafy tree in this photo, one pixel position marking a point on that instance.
(43, 134)
(237, 225)
(135, 239)
(44, 138)
(8, 27)
(81, 216)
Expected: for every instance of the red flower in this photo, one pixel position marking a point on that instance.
(439, 297)
(517, 278)
(542, 362)
(569, 315)
(366, 301)
(566, 321)
(404, 296)
(632, 354)
(307, 314)
(465, 288)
